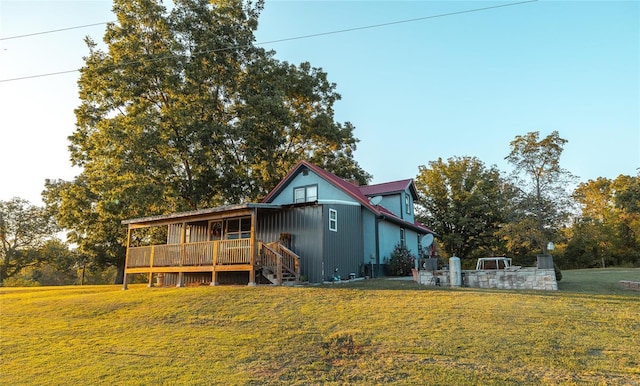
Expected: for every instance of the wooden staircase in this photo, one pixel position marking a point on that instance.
(278, 263)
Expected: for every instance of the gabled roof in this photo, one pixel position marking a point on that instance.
(336, 181)
(353, 191)
(387, 188)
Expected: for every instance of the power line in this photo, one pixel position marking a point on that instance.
(396, 22)
(281, 40)
(54, 30)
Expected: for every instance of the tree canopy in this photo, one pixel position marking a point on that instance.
(542, 205)
(181, 111)
(24, 230)
(464, 201)
(608, 228)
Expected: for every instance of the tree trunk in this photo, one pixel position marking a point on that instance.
(120, 274)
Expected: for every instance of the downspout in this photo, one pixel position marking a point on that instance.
(378, 218)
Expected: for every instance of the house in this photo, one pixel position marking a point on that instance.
(313, 224)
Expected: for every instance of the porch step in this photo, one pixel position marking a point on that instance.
(287, 277)
(275, 257)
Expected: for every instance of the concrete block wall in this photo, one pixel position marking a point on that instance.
(524, 278)
(435, 278)
(630, 285)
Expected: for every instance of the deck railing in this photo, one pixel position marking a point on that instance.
(279, 258)
(191, 254)
(139, 257)
(234, 251)
(166, 255)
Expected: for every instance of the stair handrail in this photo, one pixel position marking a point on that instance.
(290, 260)
(268, 256)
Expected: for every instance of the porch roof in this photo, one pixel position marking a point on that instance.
(163, 218)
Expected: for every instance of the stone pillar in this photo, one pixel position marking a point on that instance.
(455, 271)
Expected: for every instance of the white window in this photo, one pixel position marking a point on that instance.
(305, 194)
(407, 203)
(298, 195)
(402, 241)
(312, 193)
(333, 220)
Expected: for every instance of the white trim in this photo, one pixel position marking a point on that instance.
(334, 221)
(340, 202)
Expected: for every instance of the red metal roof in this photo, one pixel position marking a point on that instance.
(385, 187)
(338, 182)
(357, 192)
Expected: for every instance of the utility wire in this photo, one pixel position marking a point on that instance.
(281, 40)
(54, 30)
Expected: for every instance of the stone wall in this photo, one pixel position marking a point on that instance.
(630, 285)
(522, 278)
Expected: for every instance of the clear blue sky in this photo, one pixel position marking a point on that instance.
(458, 85)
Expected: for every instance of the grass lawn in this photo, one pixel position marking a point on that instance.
(364, 332)
(597, 281)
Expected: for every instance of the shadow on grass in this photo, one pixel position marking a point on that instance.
(386, 283)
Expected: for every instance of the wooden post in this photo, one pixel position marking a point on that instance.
(279, 269)
(183, 238)
(126, 259)
(214, 261)
(180, 279)
(151, 267)
(252, 272)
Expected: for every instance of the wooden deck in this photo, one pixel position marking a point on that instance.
(200, 254)
(277, 262)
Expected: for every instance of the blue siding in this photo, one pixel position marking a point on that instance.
(368, 235)
(407, 216)
(393, 203)
(389, 238)
(305, 224)
(326, 191)
(411, 240)
(343, 249)
(321, 251)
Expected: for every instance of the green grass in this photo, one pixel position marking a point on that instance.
(597, 281)
(364, 332)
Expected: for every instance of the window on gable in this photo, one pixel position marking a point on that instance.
(407, 203)
(298, 195)
(312, 193)
(305, 194)
(333, 220)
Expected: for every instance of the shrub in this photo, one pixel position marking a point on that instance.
(400, 262)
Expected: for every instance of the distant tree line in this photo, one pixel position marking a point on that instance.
(480, 211)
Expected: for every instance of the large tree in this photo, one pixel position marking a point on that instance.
(465, 202)
(182, 111)
(24, 230)
(608, 229)
(542, 206)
